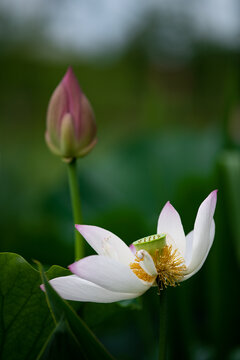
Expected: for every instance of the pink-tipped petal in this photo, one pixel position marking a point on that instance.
(191, 273)
(169, 223)
(203, 231)
(133, 249)
(76, 289)
(108, 273)
(106, 243)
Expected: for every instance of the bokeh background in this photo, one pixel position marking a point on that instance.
(163, 79)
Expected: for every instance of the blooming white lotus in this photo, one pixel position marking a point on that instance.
(120, 272)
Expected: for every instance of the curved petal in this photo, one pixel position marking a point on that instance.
(188, 250)
(202, 230)
(169, 222)
(147, 263)
(106, 243)
(74, 288)
(109, 273)
(189, 273)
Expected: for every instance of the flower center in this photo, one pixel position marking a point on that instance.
(170, 267)
(169, 263)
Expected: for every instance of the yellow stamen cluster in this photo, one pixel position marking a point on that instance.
(170, 267)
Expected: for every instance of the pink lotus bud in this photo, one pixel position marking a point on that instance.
(71, 128)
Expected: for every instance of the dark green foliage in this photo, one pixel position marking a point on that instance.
(25, 320)
(28, 325)
(61, 344)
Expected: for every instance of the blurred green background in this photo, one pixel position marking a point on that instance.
(166, 100)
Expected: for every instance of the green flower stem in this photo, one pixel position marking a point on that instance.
(163, 325)
(76, 207)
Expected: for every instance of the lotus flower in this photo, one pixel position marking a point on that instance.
(71, 128)
(120, 272)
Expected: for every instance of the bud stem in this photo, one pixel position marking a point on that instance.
(76, 208)
(163, 325)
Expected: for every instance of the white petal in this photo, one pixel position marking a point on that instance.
(147, 263)
(106, 243)
(108, 273)
(76, 289)
(212, 233)
(169, 223)
(202, 230)
(188, 250)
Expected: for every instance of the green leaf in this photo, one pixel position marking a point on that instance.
(90, 345)
(61, 344)
(25, 320)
